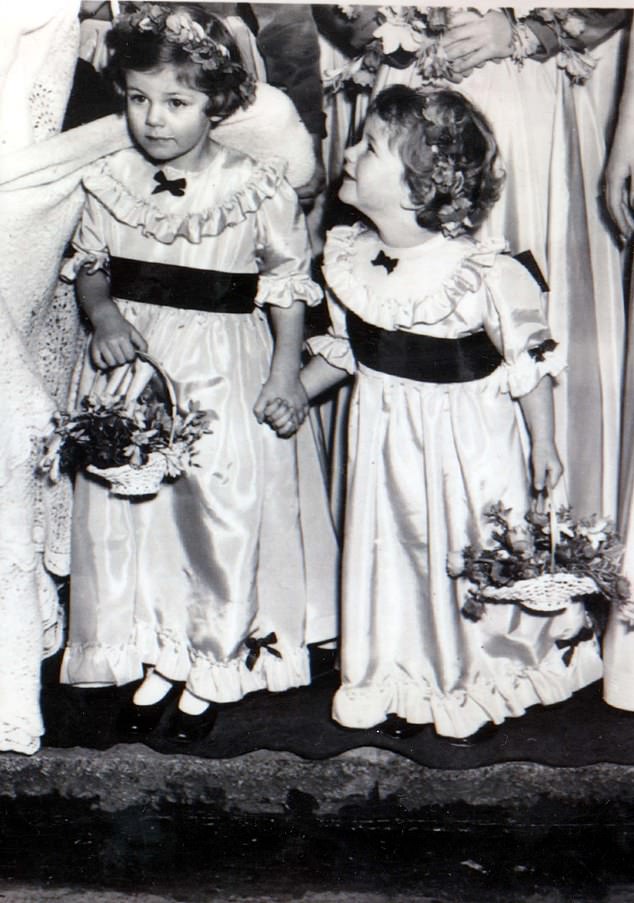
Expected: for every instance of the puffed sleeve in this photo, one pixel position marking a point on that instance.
(88, 242)
(283, 252)
(515, 321)
(334, 347)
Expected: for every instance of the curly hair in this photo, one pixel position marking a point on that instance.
(449, 155)
(209, 61)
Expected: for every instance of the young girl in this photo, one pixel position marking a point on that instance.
(185, 249)
(450, 348)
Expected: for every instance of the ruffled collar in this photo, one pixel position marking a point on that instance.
(424, 287)
(221, 195)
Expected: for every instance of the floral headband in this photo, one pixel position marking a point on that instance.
(445, 141)
(178, 28)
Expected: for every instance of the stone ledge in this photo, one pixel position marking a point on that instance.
(362, 783)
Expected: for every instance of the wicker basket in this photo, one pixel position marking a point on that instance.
(548, 592)
(143, 479)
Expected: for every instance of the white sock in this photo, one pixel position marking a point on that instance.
(152, 690)
(192, 705)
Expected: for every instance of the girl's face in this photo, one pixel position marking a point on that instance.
(167, 118)
(373, 175)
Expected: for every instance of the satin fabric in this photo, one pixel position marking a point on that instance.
(552, 141)
(229, 551)
(424, 462)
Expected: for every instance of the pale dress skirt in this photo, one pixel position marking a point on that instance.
(424, 461)
(241, 546)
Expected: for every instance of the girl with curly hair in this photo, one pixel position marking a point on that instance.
(453, 364)
(188, 250)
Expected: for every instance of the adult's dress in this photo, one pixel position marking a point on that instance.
(37, 60)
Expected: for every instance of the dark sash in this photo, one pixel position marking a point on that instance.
(421, 357)
(182, 287)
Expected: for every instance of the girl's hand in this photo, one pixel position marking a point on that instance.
(115, 341)
(283, 402)
(473, 39)
(282, 418)
(546, 466)
(619, 186)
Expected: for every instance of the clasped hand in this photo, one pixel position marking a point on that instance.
(474, 38)
(283, 405)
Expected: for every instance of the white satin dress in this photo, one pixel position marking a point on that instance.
(424, 461)
(551, 136)
(242, 546)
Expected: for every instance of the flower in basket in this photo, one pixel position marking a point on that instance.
(543, 562)
(112, 432)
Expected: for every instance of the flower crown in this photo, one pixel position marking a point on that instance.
(178, 28)
(450, 171)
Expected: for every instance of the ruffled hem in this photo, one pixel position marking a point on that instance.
(336, 351)
(92, 260)
(283, 291)
(525, 373)
(463, 712)
(261, 184)
(230, 681)
(398, 312)
(100, 665)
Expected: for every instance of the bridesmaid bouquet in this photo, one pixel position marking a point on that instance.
(134, 444)
(543, 564)
(406, 34)
(568, 25)
(403, 34)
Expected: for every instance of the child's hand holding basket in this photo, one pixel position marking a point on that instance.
(543, 565)
(127, 434)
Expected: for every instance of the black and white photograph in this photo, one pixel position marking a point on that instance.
(316, 453)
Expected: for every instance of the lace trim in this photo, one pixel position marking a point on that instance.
(262, 184)
(17, 739)
(397, 312)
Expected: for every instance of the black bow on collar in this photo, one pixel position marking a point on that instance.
(382, 260)
(174, 186)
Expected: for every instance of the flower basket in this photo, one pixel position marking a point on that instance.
(131, 479)
(544, 564)
(134, 444)
(142, 479)
(548, 593)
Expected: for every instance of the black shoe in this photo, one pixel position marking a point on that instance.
(399, 728)
(323, 662)
(486, 732)
(185, 729)
(135, 722)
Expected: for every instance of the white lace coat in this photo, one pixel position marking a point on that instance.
(37, 335)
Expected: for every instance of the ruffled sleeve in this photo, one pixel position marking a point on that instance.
(334, 347)
(88, 242)
(283, 252)
(516, 322)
